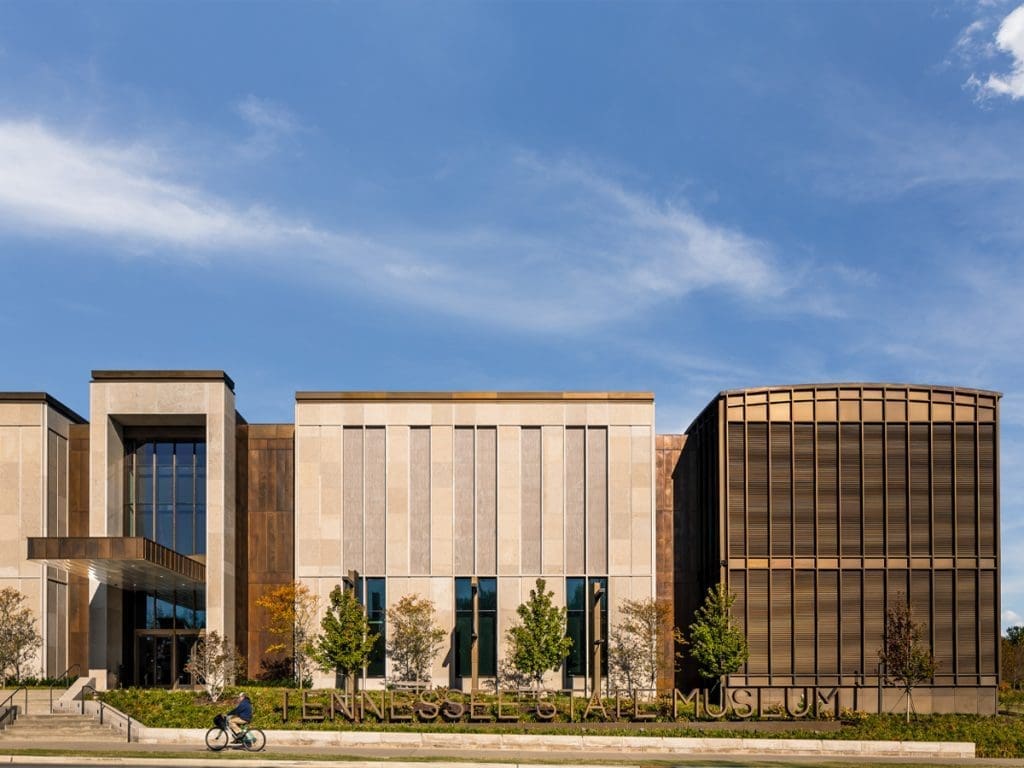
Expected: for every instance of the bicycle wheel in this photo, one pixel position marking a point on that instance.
(216, 739)
(254, 740)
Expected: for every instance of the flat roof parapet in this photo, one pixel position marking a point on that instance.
(164, 376)
(42, 398)
(487, 397)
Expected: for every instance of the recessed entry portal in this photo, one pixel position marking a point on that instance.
(160, 632)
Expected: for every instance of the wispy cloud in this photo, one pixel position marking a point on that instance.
(1009, 40)
(268, 122)
(595, 250)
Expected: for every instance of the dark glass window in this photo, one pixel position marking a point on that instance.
(182, 609)
(487, 640)
(376, 614)
(578, 591)
(166, 493)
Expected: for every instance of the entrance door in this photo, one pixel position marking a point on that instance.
(160, 657)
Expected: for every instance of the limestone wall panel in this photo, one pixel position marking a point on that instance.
(441, 500)
(397, 525)
(620, 517)
(642, 500)
(509, 531)
(553, 499)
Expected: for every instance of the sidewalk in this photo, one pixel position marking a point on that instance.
(121, 753)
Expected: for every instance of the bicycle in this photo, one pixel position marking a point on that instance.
(220, 737)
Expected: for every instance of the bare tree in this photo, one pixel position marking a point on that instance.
(19, 639)
(214, 663)
(634, 643)
(908, 662)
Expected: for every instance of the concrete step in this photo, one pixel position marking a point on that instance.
(58, 727)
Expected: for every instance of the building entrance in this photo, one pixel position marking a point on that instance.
(161, 656)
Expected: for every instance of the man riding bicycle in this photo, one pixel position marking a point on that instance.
(240, 716)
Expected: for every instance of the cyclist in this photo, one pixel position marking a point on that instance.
(240, 716)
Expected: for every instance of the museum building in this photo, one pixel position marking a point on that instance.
(166, 515)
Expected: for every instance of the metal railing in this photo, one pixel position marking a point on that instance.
(8, 710)
(103, 707)
(65, 675)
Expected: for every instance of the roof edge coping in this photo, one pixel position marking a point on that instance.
(326, 397)
(184, 375)
(42, 398)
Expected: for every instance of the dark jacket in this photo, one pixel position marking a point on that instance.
(243, 710)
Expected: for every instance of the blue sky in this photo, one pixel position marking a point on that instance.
(677, 197)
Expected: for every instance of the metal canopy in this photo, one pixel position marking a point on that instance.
(127, 562)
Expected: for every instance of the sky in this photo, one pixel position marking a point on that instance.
(670, 197)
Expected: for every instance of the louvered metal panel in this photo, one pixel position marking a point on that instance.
(986, 489)
(945, 624)
(896, 489)
(874, 491)
(757, 618)
(897, 587)
(942, 489)
(828, 622)
(757, 490)
(988, 623)
(737, 490)
(828, 490)
(966, 509)
(966, 623)
(803, 491)
(852, 651)
(921, 602)
(804, 623)
(920, 507)
(781, 490)
(849, 491)
(874, 617)
(782, 622)
(738, 588)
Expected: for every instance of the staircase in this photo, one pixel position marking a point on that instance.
(59, 730)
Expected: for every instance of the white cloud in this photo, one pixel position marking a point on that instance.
(596, 252)
(1011, 619)
(1010, 40)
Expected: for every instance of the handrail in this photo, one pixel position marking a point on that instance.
(64, 676)
(12, 711)
(103, 705)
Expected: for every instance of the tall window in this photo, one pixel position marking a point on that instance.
(165, 493)
(487, 629)
(578, 592)
(370, 592)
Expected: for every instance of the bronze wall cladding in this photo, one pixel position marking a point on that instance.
(266, 551)
(78, 525)
(667, 449)
(838, 501)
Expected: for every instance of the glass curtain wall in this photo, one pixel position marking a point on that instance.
(166, 493)
(370, 592)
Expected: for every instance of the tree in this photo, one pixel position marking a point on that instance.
(293, 610)
(19, 639)
(415, 637)
(634, 643)
(346, 642)
(717, 644)
(907, 660)
(539, 643)
(214, 662)
(1013, 656)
